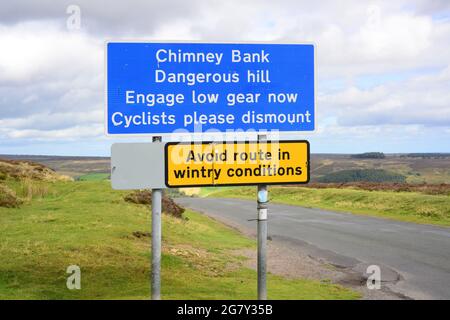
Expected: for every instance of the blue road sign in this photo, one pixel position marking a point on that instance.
(167, 88)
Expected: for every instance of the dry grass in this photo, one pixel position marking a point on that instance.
(145, 197)
(25, 190)
(30, 189)
(191, 191)
(433, 189)
(18, 169)
(23, 181)
(8, 197)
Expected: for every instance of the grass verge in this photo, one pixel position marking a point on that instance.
(403, 206)
(94, 177)
(85, 223)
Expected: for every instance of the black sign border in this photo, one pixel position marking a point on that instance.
(166, 163)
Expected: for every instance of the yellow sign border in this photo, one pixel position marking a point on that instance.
(166, 164)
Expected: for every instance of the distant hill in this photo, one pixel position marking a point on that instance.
(419, 168)
(38, 158)
(367, 175)
(426, 155)
(72, 166)
(416, 169)
(369, 155)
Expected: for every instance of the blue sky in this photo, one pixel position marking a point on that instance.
(383, 67)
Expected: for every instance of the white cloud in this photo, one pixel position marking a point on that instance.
(40, 51)
(53, 121)
(51, 79)
(421, 100)
(69, 134)
(48, 77)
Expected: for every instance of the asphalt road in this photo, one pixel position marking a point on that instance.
(418, 255)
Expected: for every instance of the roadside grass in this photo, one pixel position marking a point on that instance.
(88, 224)
(94, 177)
(403, 206)
(28, 189)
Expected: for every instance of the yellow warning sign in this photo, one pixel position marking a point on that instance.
(236, 163)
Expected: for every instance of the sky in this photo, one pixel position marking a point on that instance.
(383, 67)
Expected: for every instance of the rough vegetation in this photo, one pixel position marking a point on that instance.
(145, 197)
(22, 181)
(72, 166)
(441, 188)
(23, 169)
(367, 175)
(8, 197)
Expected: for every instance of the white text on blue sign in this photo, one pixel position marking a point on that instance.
(162, 88)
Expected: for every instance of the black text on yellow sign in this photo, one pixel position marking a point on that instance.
(236, 163)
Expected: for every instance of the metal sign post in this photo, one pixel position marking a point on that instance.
(156, 239)
(262, 241)
(263, 199)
